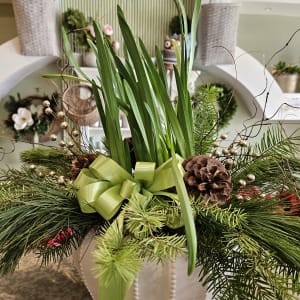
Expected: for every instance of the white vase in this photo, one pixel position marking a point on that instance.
(165, 281)
(217, 34)
(287, 82)
(89, 59)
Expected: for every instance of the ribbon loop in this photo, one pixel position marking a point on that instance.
(128, 188)
(144, 172)
(105, 184)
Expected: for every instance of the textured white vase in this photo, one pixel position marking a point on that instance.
(217, 34)
(165, 281)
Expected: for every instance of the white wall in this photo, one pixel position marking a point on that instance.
(263, 35)
(8, 28)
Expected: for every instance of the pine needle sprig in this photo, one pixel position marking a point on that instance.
(116, 255)
(280, 234)
(230, 216)
(142, 219)
(234, 266)
(257, 259)
(163, 247)
(273, 145)
(46, 156)
(205, 116)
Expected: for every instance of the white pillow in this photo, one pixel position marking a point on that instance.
(37, 27)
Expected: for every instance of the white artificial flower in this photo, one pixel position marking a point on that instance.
(22, 119)
(37, 109)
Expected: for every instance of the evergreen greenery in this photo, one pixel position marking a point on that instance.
(44, 157)
(74, 22)
(205, 110)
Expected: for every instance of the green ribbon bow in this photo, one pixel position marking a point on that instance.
(105, 184)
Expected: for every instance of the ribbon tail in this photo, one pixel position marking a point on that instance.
(116, 290)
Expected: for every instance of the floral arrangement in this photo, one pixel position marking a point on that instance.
(30, 115)
(228, 206)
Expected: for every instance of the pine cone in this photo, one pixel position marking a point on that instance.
(207, 177)
(82, 161)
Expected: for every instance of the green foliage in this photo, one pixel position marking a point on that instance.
(226, 102)
(137, 87)
(42, 209)
(45, 157)
(160, 248)
(205, 117)
(142, 219)
(230, 217)
(146, 221)
(116, 256)
(73, 19)
(247, 261)
(283, 68)
(175, 25)
(276, 167)
(75, 22)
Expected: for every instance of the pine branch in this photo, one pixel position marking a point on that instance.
(277, 162)
(46, 157)
(205, 118)
(43, 209)
(116, 256)
(229, 217)
(142, 219)
(273, 145)
(163, 247)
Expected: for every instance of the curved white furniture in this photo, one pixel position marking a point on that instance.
(14, 66)
(257, 88)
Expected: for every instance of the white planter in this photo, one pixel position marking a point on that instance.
(217, 34)
(287, 82)
(166, 281)
(89, 59)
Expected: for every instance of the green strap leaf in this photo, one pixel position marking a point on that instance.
(187, 214)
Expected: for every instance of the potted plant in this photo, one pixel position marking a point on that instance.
(286, 76)
(75, 24)
(82, 35)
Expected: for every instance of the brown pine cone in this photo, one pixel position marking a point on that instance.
(80, 162)
(207, 177)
